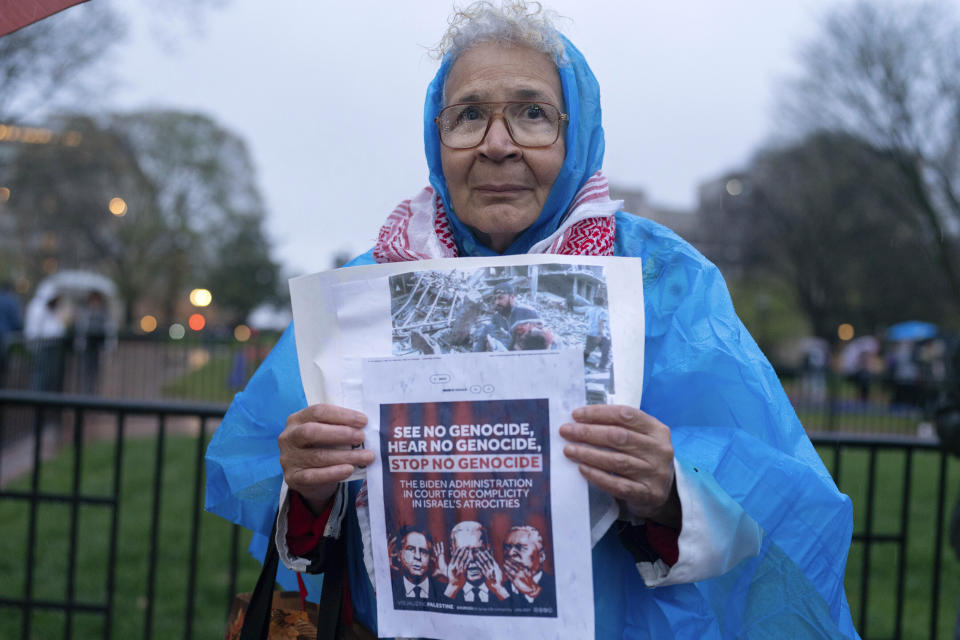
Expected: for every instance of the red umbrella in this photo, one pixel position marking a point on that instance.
(15, 14)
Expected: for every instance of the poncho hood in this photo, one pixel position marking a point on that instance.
(584, 144)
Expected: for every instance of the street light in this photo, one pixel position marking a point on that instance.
(148, 324)
(118, 207)
(177, 331)
(242, 333)
(201, 297)
(845, 332)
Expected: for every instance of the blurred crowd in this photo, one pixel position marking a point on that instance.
(903, 372)
(57, 321)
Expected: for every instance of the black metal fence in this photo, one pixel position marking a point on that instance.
(836, 403)
(210, 367)
(902, 578)
(102, 532)
(152, 368)
(103, 529)
(203, 367)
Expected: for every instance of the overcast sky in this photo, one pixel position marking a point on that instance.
(329, 97)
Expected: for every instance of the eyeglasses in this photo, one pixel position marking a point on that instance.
(530, 124)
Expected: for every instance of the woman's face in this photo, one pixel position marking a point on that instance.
(498, 188)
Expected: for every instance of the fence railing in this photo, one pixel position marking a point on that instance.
(102, 531)
(202, 367)
(103, 535)
(899, 556)
(834, 402)
(208, 367)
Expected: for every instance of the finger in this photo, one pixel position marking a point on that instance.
(320, 458)
(307, 480)
(614, 462)
(611, 437)
(646, 496)
(315, 434)
(329, 414)
(617, 414)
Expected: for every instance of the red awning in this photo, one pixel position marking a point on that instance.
(15, 14)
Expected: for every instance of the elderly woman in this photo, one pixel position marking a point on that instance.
(729, 525)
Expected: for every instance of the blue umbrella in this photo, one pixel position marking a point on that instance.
(912, 330)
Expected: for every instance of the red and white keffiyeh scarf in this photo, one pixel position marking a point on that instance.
(418, 229)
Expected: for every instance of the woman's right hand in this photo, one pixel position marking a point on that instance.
(316, 451)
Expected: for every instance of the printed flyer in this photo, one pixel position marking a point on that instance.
(479, 525)
(464, 510)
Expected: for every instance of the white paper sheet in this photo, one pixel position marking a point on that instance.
(445, 313)
(330, 337)
(470, 473)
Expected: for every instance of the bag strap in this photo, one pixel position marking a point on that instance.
(256, 622)
(331, 595)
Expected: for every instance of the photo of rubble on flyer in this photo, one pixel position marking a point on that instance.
(508, 308)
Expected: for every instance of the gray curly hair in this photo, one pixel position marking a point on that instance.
(514, 21)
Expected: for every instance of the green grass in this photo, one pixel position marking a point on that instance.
(212, 575)
(135, 523)
(884, 557)
(849, 414)
(207, 383)
(210, 382)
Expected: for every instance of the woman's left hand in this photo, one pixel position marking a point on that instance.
(627, 453)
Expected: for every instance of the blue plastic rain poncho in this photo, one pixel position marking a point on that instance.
(704, 377)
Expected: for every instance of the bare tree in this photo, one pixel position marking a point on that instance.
(61, 198)
(55, 58)
(207, 195)
(192, 215)
(890, 75)
(826, 217)
(64, 60)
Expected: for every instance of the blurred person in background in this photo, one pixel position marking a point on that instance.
(11, 322)
(93, 332)
(903, 373)
(46, 326)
